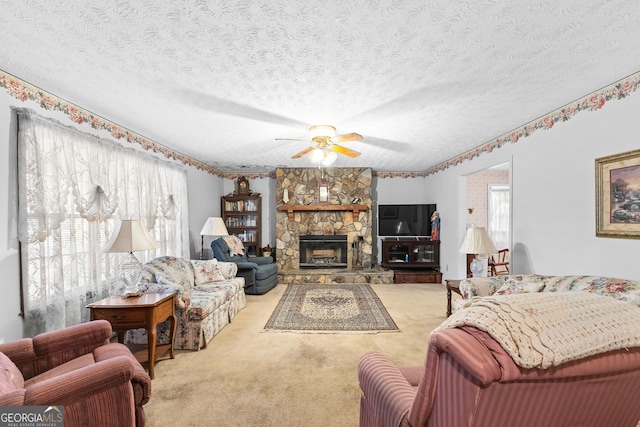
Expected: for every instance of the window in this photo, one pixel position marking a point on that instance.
(498, 215)
(73, 190)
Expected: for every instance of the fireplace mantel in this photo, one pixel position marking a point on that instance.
(355, 209)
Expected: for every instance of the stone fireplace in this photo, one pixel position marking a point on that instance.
(300, 213)
(323, 251)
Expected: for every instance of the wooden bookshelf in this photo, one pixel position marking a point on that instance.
(242, 214)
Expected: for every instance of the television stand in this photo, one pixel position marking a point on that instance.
(413, 259)
(417, 276)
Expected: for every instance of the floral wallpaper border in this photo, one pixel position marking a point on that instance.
(594, 101)
(24, 91)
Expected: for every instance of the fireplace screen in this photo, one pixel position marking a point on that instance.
(323, 251)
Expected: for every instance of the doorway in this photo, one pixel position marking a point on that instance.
(487, 203)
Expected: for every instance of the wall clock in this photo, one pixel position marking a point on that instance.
(243, 185)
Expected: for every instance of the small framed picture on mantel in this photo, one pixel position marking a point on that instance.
(323, 191)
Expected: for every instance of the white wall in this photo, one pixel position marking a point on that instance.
(205, 191)
(390, 191)
(553, 197)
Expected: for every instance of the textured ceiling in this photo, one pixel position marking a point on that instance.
(422, 81)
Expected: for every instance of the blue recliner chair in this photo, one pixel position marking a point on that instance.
(260, 273)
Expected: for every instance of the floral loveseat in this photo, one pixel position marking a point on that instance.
(621, 289)
(208, 296)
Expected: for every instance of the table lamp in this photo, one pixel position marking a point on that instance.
(130, 235)
(477, 242)
(213, 227)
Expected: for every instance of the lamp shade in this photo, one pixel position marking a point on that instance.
(130, 235)
(477, 241)
(214, 227)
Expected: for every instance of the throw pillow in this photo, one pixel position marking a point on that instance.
(206, 271)
(235, 245)
(516, 287)
(229, 269)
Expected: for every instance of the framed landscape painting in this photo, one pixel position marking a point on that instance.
(618, 195)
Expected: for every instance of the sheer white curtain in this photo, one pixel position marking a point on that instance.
(73, 189)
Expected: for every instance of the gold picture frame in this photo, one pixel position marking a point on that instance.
(618, 195)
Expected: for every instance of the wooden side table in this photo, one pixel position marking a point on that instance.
(452, 285)
(145, 311)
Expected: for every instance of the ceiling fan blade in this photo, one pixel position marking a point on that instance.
(344, 150)
(347, 137)
(302, 153)
(291, 139)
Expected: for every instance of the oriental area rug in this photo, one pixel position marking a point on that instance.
(334, 308)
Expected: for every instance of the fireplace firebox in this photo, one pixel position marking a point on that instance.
(323, 251)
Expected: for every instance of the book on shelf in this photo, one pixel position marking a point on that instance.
(247, 236)
(243, 221)
(240, 206)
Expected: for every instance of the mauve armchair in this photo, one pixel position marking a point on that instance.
(469, 380)
(99, 383)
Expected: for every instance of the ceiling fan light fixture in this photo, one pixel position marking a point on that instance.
(316, 155)
(324, 145)
(329, 158)
(322, 131)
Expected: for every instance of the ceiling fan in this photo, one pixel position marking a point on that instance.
(325, 144)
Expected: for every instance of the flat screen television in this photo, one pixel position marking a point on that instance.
(405, 220)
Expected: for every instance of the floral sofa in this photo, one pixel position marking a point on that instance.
(621, 289)
(208, 296)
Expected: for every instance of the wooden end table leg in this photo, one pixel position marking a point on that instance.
(448, 301)
(152, 336)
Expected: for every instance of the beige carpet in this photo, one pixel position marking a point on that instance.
(250, 377)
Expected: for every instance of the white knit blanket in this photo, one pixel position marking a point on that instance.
(544, 329)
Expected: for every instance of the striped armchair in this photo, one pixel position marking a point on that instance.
(98, 383)
(469, 380)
